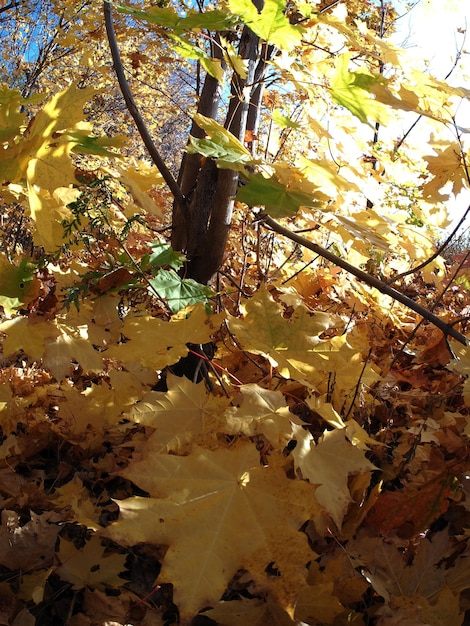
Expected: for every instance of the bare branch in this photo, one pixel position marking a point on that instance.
(447, 241)
(447, 329)
(134, 111)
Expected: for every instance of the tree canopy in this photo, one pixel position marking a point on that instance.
(234, 370)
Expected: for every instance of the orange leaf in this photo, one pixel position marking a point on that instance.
(411, 511)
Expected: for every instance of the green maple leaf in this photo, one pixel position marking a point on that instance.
(179, 292)
(163, 254)
(89, 144)
(278, 198)
(219, 144)
(270, 24)
(353, 90)
(188, 50)
(18, 285)
(167, 17)
(284, 121)
(11, 119)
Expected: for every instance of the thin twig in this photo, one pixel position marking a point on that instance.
(437, 253)
(447, 241)
(414, 332)
(372, 281)
(401, 141)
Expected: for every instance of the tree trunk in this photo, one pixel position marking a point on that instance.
(210, 192)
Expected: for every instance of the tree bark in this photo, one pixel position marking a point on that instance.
(210, 192)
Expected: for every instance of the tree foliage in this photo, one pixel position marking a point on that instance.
(234, 372)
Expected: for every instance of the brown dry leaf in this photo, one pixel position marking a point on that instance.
(103, 608)
(411, 510)
(8, 603)
(436, 352)
(385, 567)
(318, 604)
(30, 546)
(253, 612)
(349, 585)
(441, 610)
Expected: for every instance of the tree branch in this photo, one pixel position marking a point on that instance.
(134, 111)
(447, 241)
(447, 329)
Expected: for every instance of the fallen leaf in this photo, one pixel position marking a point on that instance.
(242, 514)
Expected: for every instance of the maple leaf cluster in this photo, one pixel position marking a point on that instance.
(306, 485)
(314, 469)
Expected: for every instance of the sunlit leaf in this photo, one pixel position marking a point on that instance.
(283, 121)
(319, 463)
(216, 494)
(271, 23)
(18, 283)
(280, 199)
(292, 345)
(353, 90)
(194, 20)
(219, 144)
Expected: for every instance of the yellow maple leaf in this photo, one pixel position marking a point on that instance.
(180, 416)
(71, 345)
(32, 586)
(156, 343)
(74, 495)
(32, 336)
(445, 167)
(291, 345)
(48, 212)
(63, 111)
(319, 464)
(57, 343)
(99, 405)
(51, 167)
(241, 514)
(139, 181)
(89, 567)
(261, 412)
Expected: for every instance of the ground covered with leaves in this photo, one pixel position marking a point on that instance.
(313, 468)
(318, 472)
